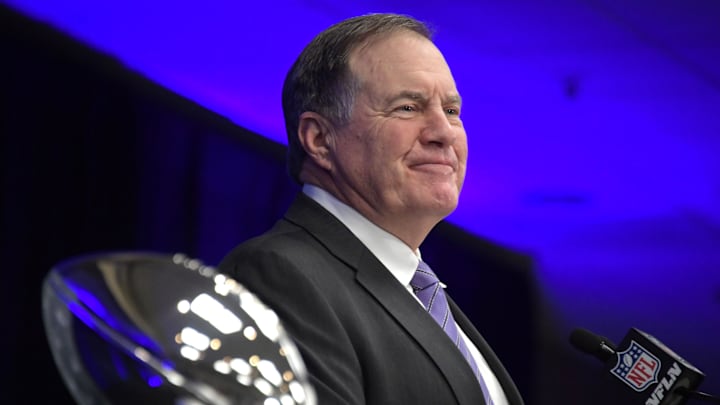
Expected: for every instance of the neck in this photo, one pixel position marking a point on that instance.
(409, 228)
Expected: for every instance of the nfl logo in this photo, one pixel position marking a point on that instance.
(637, 367)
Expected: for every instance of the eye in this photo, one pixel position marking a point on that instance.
(452, 111)
(407, 108)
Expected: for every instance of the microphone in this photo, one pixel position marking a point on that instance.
(590, 343)
(651, 373)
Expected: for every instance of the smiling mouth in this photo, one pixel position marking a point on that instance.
(434, 168)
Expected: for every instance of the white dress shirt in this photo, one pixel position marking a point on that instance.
(401, 261)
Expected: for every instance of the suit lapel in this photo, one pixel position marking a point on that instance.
(388, 292)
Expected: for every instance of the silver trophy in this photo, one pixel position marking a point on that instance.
(143, 327)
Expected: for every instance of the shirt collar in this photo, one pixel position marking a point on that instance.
(393, 253)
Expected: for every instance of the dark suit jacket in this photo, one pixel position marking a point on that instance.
(362, 336)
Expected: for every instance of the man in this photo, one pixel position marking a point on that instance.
(375, 138)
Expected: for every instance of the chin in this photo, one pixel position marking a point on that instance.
(443, 208)
(446, 196)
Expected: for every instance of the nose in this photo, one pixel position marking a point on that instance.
(438, 127)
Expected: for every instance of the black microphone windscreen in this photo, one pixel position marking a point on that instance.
(592, 344)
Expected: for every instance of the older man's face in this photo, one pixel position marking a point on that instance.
(404, 152)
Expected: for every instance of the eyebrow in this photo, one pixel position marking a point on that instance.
(419, 96)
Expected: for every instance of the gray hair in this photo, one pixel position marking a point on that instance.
(320, 80)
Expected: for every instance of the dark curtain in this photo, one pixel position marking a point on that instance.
(96, 158)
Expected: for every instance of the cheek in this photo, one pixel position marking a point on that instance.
(462, 154)
(361, 159)
(399, 143)
(461, 179)
(379, 149)
(461, 147)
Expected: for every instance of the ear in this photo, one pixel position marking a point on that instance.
(314, 132)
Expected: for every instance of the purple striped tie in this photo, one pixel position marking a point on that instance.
(427, 287)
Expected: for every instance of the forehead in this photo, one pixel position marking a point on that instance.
(399, 58)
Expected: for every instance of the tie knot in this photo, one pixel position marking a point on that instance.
(424, 277)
